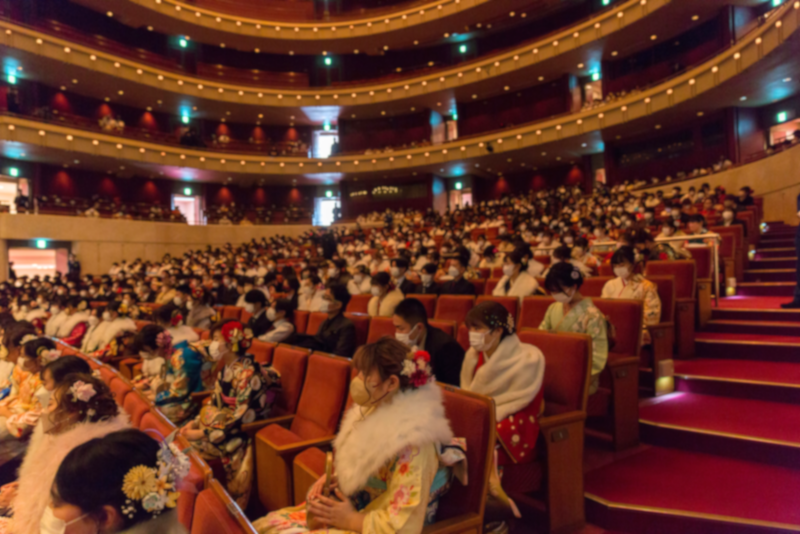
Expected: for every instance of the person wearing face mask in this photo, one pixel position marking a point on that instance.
(669, 229)
(243, 393)
(412, 329)
(564, 255)
(256, 306)
(583, 258)
(281, 314)
(361, 282)
(499, 366)
(516, 282)
(114, 503)
(200, 313)
(113, 323)
(385, 297)
(729, 219)
(631, 285)
(427, 285)
(337, 334)
(75, 326)
(167, 293)
(490, 259)
(68, 421)
(337, 272)
(311, 295)
(458, 285)
(228, 292)
(171, 319)
(381, 450)
(398, 271)
(600, 234)
(571, 312)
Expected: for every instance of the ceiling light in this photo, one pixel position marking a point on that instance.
(695, 17)
(109, 13)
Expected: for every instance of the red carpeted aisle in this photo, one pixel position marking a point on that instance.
(741, 370)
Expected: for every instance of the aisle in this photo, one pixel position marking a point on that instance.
(722, 453)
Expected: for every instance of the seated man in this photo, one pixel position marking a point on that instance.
(256, 305)
(427, 285)
(458, 285)
(337, 334)
(398, 270)
(412, 328)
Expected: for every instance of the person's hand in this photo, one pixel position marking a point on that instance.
(319, 485)
(5, 412)
(338, 514)
(7, 494)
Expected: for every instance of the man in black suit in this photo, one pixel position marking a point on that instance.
(337, 334)
(256, 304)
(228, 293)
(427, 285)
(458, 285)
(398, 270)
(412, 328)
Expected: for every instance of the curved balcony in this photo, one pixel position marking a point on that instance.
(714, 84)
(396, 27)
(579, 45)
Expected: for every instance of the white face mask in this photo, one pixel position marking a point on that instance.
(333, 272)
(177, 301)
(477, 340)
(426, 279)
(189, 305)
(358, 278)
(563, 298)
(453, 271)
(508, 270)
(395, 272)
(50, 524)
(376, 291)
(106, 316)
(621, 272)
(271, 314)
(93, 321)
(405, 337)
(249, 308)
(215, 350)
(325, 306)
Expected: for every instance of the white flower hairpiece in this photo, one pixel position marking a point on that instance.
(28, 337)
(81, 391)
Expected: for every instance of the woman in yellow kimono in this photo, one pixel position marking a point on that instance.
(631, 285)
(386, 460)
(572, 312)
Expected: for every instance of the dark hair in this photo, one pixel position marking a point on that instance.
(519, 256)
(400, 262)
(108, 460)
(623, 255)
(146, 338)
(255, 296)
(561, 276)
(381, 279)
(340, 293)
(33, 348)
(339, 264)
(412, 311)
(562, 253)
(387, 355)
(491, 314)
(285, 305)
(101, 406)
(429, 268)
(582, 242)
(184, 288)
(66, 365)
(16, 331)
(696, 218)
(165, 313)
(114, 306)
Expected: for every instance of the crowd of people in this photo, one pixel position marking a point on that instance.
(559, 235)
(96, 206)
(237, 214)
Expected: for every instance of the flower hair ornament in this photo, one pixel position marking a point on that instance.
(82, 392)
(164, 341)
(575, 274)
(233, 333)
(82, 305)
(28, 337)
(198, 293)
(177, 318)
(156, 488)
(417, 368)
(46, 355)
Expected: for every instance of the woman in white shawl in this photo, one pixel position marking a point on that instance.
(386, 452)
(74, 327)
(113, 323)
(385, 297)
(57, 316)
(80, 408)
(170, 318)
(516, 282)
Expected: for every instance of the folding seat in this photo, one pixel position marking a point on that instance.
(300, 320)
(657, 368)
(231, 312)
(453, 307)
(291, 363)
(314, 424)
(606, 269)
(120, 388)
(497, 272)
(480, 285)
(358, 304)
(558, 471)
(703, 258)
(491, 283)
(216, 513)
(135, 406)
(156, 424)
(361, 322)
(593, 286)
(429, 301)
(685, 274)
(510, 303)
(727, 256)
(448, 327)
(196, 480)
(533, 311)
(108, 374)
(485, 272)
(379, 327)
(200, 332)
(245, 316)
(315, 319)
(262, 351)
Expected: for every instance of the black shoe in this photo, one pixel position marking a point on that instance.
(794, 305)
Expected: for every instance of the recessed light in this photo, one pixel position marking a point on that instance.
(787, 80)
(109, 13)
(743, 98)
(695, 17)
(653, 37)
(614, 53)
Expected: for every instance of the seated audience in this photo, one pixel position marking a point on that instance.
(385, 296)
(458, 285)
(337, 334)
(200, 311)
(516, 282)
(427, 285)
(256, 305)
(113, 323)
(281, 317)
(361, 282)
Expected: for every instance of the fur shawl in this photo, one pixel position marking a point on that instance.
(412, 418)
(42, 459)
(182, 333)
(55, 321)
(101, 335)
(523, 286)
(36, 313)
(71, 322)
(512, 376)
(387, 305)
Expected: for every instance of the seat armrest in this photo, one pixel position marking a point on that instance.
(563, 438)
(455, 525)
(549, 422)
(623, 361)
(200, 396)
(663, 340)
(252, 428)
(292, 449)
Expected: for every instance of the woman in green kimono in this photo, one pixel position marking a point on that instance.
(572, 312)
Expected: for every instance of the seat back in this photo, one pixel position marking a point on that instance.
(429, 301)
(141, 324)
(358, 303)
(593, 286)
(262, 351)
(153, 421)
(703, 260)
(627, 316)
(491, 283)
(453, 307)
(567, 366)
(480, 285)
(314, 320)
(533, 311)
(497, 272)
(291, 363)
(135, 406)
(245, 316)
(324, 393)
(107, 374)
(361, 322)
(605, 270)
(216, 513)
(379, 327)
(120, 388)
(510, 303)
(300, 321)
(448, 327)
(683, 271)
(666, 292)
(232, 312)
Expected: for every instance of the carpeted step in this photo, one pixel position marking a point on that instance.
(788, 262)
(765, 253)
(777, 315)
(755, 331)
(743, 428)
(762, 380)
(670, 490)
(766, 289)
(771, 243)
(771, 275)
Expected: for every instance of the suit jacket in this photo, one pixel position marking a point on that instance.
(259, 324)
(228, 296)
(458, 287)
(337, 336)
(407, 286)
(447, 355)
(433, 289)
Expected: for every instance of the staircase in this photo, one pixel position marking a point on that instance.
(721, 453)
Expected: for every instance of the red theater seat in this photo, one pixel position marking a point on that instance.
(704, 263)
(315, 319)
(232, 312)
(135, 406)
(429, 301)
(291, 363)
(685, 275)
(453, 307)
(510, 303)
(448, 327)
(216, 513)
(301, 321)
(245, 316)
(361, 321)
(120, 388)
(490, 285)
(262, 351)
(358, 304)
(155, 422)
(593, 286)
(656, 367)
(480, 286)
(379, 327)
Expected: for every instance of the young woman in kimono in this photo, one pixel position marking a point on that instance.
(243, 393)
(386, 454)
(572, 312)
(516, 281)
(75, 325)
(114, 322)
(80, 408)
(182, 373)
(499, 366)
(631, 285)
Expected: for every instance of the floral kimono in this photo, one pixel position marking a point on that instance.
(583, 318)
(23, 402)
(244, 392)
(183, 377)
(638, 288)
(387, 464)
